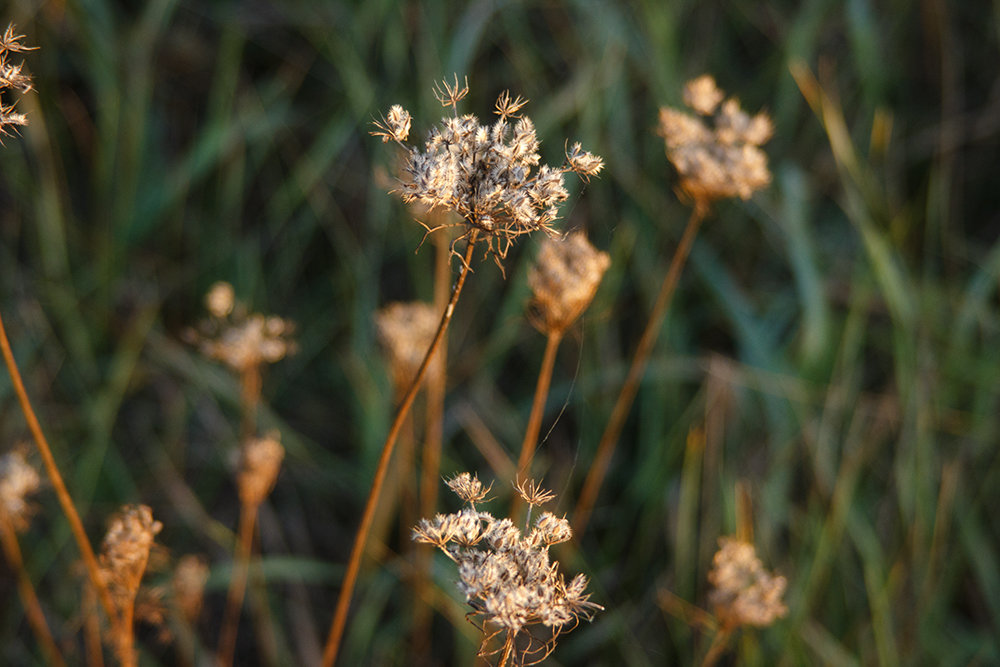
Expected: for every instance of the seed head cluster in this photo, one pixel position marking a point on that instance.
(564, 280)
(721, 161)
(490, 175)
(238, 338)
(18, 480)
(507, 577)
(405, 331)
(11, 77)
(743, 592)
(125, 552)
(260, 463)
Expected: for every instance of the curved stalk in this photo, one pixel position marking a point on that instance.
(354, 563)
(65, 500)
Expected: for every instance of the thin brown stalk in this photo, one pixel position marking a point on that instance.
(718, 647)
(430, 465)
(538, 404)
(250, 388)
(65, 500)
(32, 608)
(237, 586)
(354, 563)
(92, 628)
(609, 440)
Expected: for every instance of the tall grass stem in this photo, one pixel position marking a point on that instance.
(237, 586)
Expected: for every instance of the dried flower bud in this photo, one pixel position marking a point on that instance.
(702, 94)
(716, 163)
(11, 76)
(260, 463)
(533, 493)
(189, 580)
(220, 299)
(125, 551)
(744, 593)
(468, 487)
(18, 480)
(405, 331)
(565, 279)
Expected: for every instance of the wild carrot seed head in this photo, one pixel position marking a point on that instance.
(743, 592)
(190, 577)
(487, 174)
(564, 280)
(260, 463)
(125, 551)
(405, 331)
(719, 162)
(12, 77)
(18, 480)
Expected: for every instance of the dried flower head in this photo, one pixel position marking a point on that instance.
(125, 551)
(487, 174)
(564, 280)
(241, 340)
(18, 480)
(743, 592)
(508, 578)
(11, 77)
(715, 163)
(260, 462)
(405, 331)
(189, 580)
(468, 488)
(532, 492)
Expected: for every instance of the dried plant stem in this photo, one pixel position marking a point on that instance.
(430, 465)
(65, 500)
(538, 404)
(606, 447)
(32, 608)
(91, 628)
(354, 563)
(237, 585)
(718, 647)
(250, 388)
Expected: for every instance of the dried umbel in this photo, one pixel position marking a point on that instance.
(720, 161)
(125, 551)
(260, 462)
(18, 480)
(11, 77)
(189, 580)
(507, 577)
(241, 340)
(405, 331)
(743, 592)
(564, 280)
(487, 174)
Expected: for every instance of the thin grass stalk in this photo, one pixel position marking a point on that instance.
(354, 563)
(91, 628)
(609, 440)
(237, 586)
(538, 404)
(430, 467)
(32, 608)
(65, 500)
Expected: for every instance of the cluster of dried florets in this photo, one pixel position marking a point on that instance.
(487, 174)
(405, 331)
(743, 592)
(260, 463)
(240, 339)
(125, 551)
(716, 163)
(506, 576)
(564, 280)
(11, 76)
(18, 480)
(190, 577)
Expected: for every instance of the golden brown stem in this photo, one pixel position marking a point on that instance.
(718, 647)
(32, 608)
(606, 447)
(237, 586)
(92, 628)
(430, 465)
(354, 563)
(250, 388)
(65, 500)
(538, 404)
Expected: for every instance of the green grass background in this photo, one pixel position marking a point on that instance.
(837, 336)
